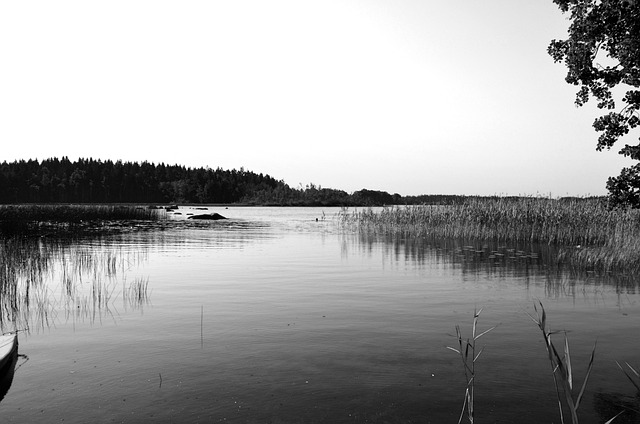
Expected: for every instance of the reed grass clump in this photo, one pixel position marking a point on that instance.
(591, 236)
(34, 217)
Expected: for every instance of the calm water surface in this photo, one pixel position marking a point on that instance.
(274, 317)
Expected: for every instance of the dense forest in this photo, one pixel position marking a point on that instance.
(96, 181)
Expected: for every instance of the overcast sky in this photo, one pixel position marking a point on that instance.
(405, 96)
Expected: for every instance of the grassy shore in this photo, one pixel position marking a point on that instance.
(30, 218)
(74, 213)
(591, 236)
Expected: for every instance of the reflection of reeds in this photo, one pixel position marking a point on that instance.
(41, 277)
(136, 294)
(592, 236)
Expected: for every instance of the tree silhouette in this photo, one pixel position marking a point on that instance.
(602, 53)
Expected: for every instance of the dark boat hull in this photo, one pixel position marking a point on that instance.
(8, 363)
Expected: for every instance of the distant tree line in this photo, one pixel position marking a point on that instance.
(97, 181)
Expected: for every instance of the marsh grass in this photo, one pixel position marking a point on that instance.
(46, 218)
(587, 234)
(75, 213)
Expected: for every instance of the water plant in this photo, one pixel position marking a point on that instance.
(467, 350)
(562, 370)
(632, 374)
(47, 218)
(588, 235)
(560, 362)
(75, 213)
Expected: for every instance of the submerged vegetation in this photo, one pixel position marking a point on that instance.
(588, 235)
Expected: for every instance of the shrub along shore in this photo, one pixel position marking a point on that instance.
(591, 236)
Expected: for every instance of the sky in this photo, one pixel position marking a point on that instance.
(405, 96)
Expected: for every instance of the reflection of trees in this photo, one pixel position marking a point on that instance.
(493, 259)
(43, 281)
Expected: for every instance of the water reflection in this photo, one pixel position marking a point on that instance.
(79, 276)
(8, 361)
(45, 280)
(608, 405)
(494, 260)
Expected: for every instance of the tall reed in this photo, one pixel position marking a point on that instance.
(75, 213)
(562, 370)
(34, 218)
(560, 362)
(467, 351)
(591, 236)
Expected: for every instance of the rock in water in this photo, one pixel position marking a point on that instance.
(208, 216)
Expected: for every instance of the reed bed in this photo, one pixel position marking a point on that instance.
(39, 219)
(590, 235)
(75, 213)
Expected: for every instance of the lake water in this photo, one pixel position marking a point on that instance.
(274, 317)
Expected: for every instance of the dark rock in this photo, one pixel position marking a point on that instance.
(210, 217)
